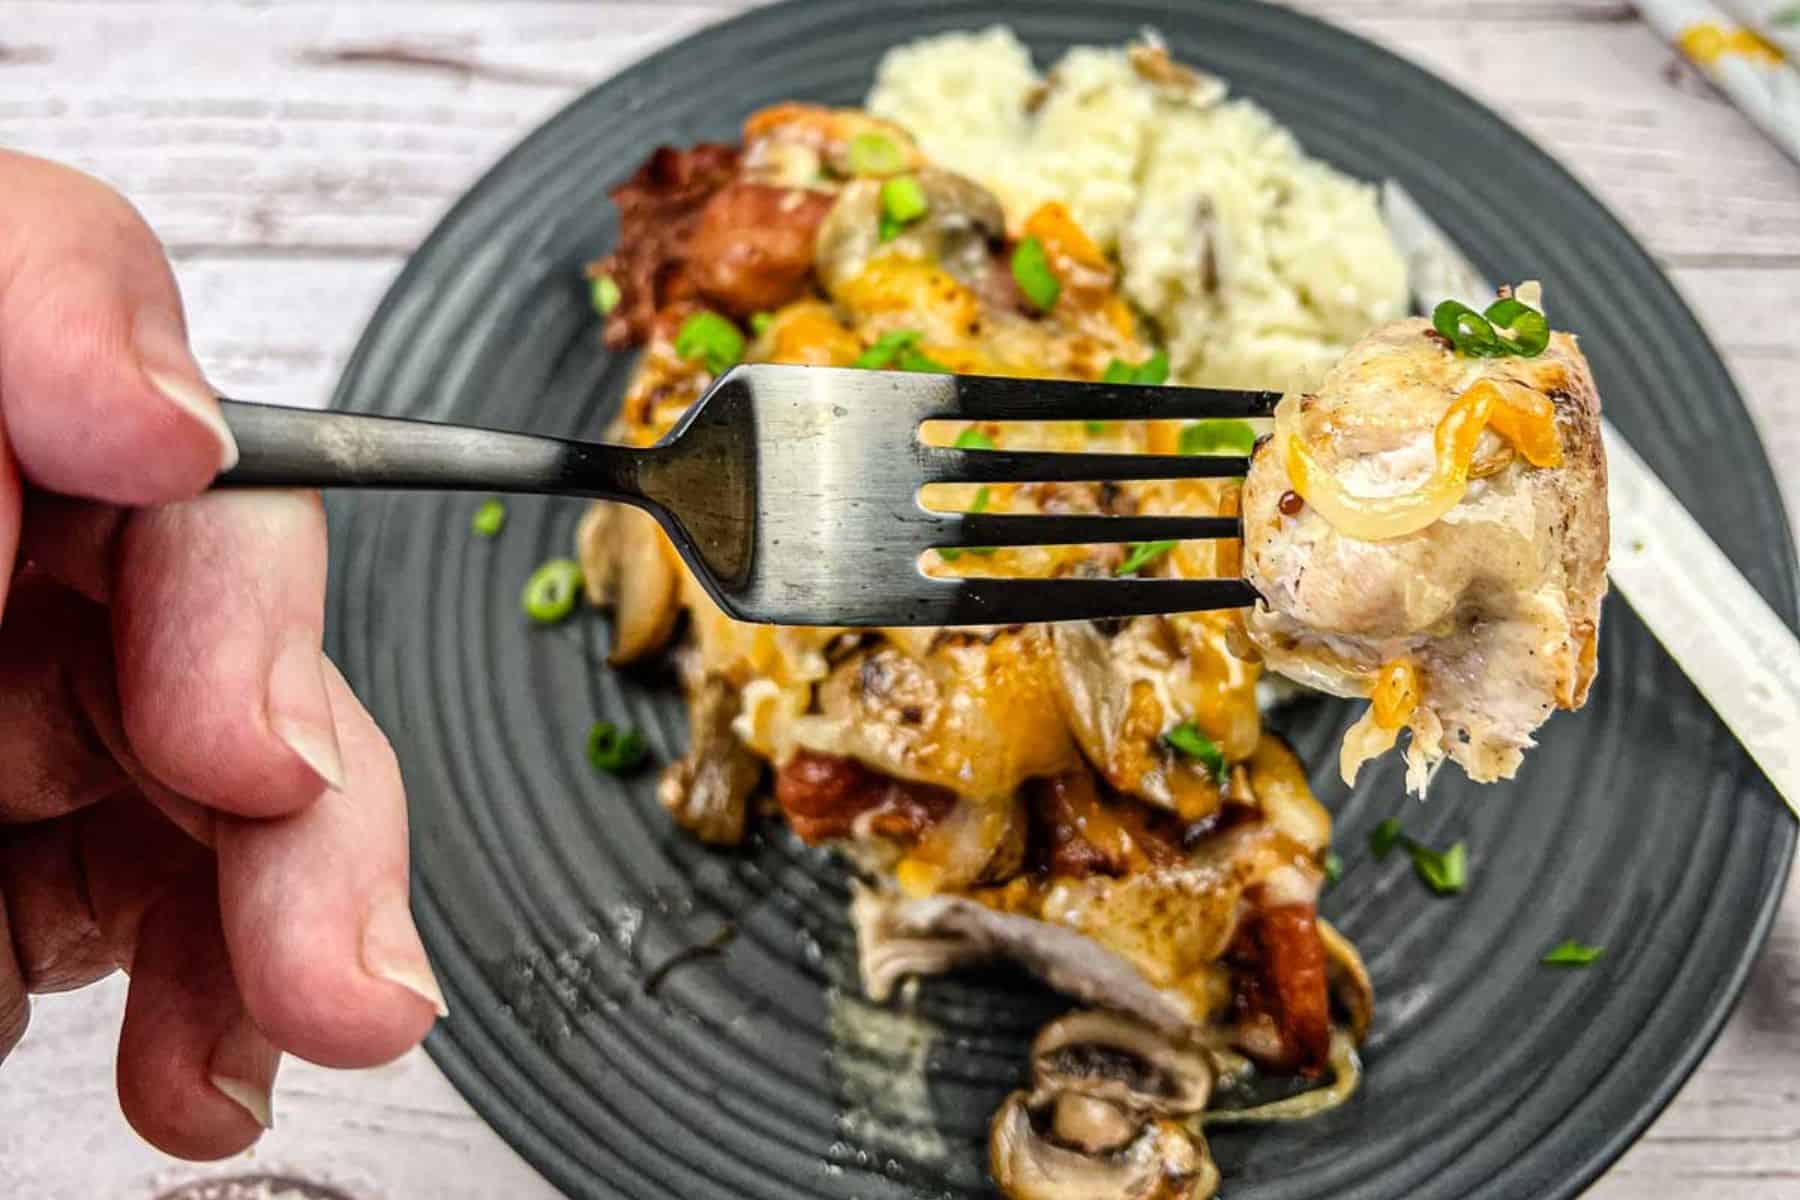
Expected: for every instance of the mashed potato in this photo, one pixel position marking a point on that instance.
(1260, 265)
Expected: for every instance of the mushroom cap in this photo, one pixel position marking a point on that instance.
(1113, 1057)
(1162, 1162)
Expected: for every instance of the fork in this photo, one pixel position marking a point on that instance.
(793, 493)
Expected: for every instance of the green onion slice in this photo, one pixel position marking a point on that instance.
(1333, 866)
(973, 439)
(711, 339)
(604, 292)
(1573, 954)
(550, 593)
(1445, 873)
(875, 154)
(1142, 555)
(1031, 271)
(1152, 372)
(1385, 837)
(1187, 738)
(614, 750)
(978, 505)
(1467, 330)
(913, 359)
(903, 199)
(1520, 327)
(488, 518)
(760, 322)
(882, 351)
(1212, 437)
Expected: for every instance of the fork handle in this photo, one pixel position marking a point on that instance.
(296, 447)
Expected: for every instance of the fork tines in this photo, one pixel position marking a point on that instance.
(995, 398)
(944, 465)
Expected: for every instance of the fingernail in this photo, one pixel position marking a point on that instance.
(300, 710)
(168, 364)
(391, 950)
(242, 1069)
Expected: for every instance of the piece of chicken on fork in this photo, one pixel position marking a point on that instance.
(1429, 530)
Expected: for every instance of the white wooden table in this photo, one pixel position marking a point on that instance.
(291, 154)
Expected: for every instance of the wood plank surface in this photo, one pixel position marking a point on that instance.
(291, 154)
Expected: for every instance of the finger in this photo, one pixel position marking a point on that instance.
(15, 1002)
(218, 612)
(75, 889)
(55, 700)
(101, 396)
(317, 917)
(11, 513)
(71, 541)
(195, 1075)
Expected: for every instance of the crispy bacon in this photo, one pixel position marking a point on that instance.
(1079, 833)
(1282, 987)
(824, 794)
(659, 208)
(753, 248)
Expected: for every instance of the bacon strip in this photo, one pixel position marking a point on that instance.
(659, 208)
(822, 796)
(1283, 985)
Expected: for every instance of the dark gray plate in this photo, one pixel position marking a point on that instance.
(549, 895)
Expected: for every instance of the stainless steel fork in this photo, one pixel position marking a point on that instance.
(793, 493)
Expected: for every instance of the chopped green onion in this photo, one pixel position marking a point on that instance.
(488, 518)
(1445, 873)
(913, 359)
(711, 339)
(882, 351)
(1333, 866)
(1152, 372)
(1573, 954)
(875, 154)
(1187, 738)
(1385, 837)
(979, 504)
(1210, 437)
(1031, 271)
(887, 229)
(760, 322)
(614, 750)
(1521, 328)
(903, 199)
(550, 593)
(604, 292)
(1096, 426)
(973, 439)
(1467, 330)
(1142, 555)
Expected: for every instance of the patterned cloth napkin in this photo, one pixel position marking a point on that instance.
(1750, 49)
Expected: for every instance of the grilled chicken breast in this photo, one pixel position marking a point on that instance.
(1429, 529)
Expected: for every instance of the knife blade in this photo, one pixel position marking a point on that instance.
(1736, 650)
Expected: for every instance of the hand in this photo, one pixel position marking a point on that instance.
(189, 791)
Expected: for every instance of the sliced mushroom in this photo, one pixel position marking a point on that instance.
(1118, 696)
(708, 790)
(1349, 979)
(646, 587)
(962, 220)
(897, 937)
(1030, 1161)
(1112, 1057)
(1278, 781)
